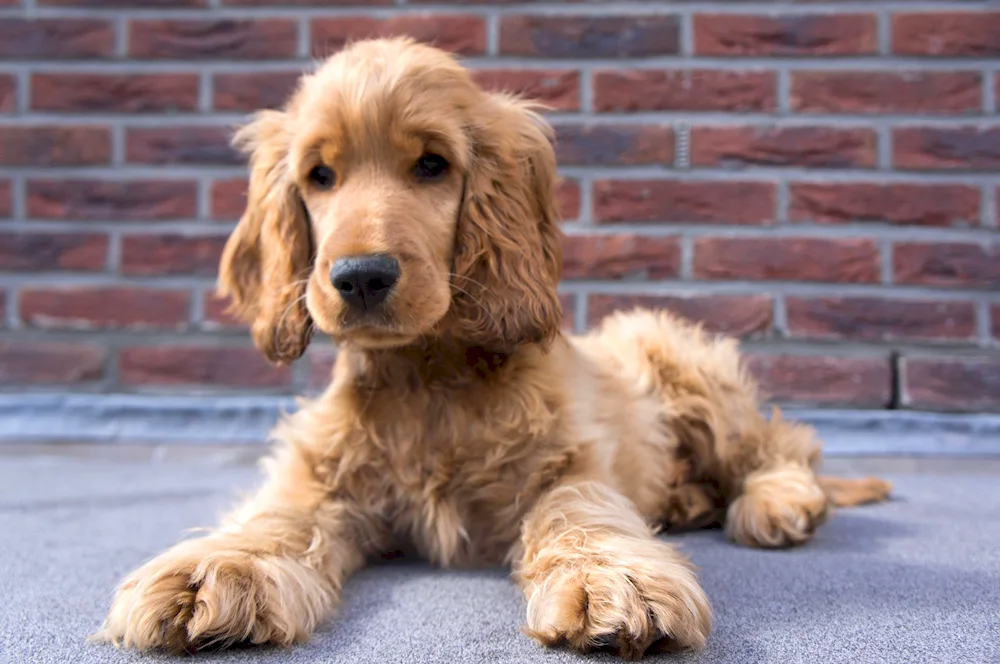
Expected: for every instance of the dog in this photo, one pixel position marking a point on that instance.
(410, 215)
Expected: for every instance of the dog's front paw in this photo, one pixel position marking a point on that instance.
(777, 508)
(634, 596)
(201, 594)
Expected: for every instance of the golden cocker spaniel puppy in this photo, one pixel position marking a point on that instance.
(410, 215)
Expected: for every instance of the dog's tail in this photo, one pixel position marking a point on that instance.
(844, 492)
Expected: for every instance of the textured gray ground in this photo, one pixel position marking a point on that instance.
(915, 580)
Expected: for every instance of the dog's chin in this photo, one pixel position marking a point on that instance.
(374, 338)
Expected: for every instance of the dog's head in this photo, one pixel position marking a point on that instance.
(393, 199)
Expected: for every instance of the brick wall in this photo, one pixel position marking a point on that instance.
(818, 178)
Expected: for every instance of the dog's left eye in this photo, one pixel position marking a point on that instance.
(430, 167)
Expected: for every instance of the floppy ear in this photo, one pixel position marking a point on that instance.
(266, 261)
(508, 254)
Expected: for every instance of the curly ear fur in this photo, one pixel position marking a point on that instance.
(266, 261)
(508, 254)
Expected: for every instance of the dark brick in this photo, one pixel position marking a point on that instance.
(465, 35)
(44, 363)
(250, 91)
(669, 201)
(787, 259)
(197, 39)
(97, 200)
(56, 252)
(6, 199)
(886, 92)
(813, 147)
(619, 145)
(105, 308)
(568, 199)
(969, 384)
(799, 35)
(875, 319)
(620, 257)
(904, 204)
(165, 366)
(947, 148)
(589, 36)
(125, 4)
(114, 93)
(557, 88)
(8, 93)
(161, 255)
(54, 146)
(684, 90)
(228, 199)
(974, 34)
(960, 264)
(55, 38)
(735, 315)
(823, 380)
(200, 146)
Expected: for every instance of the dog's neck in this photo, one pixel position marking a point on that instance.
(438, 362)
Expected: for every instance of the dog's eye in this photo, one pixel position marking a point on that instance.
(430, 167)
(323, 177)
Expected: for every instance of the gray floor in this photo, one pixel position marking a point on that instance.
(915, 580)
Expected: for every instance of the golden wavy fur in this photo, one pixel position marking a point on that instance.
(461, 420)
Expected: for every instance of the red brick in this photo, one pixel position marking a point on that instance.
(947, 148)
(557, 88)
(97, 200)
(823, 380)
(905, 204)
(57, 252)
(684, 90)
(621, 257)
(592, 36)
(995, 320)
(161, 255)
(199, 366)
(735, 315)
(8, 93)
(105, 308)
(787, 259)
(567, 303)
(6, 202)
(618, 145)
(685, 202)
(215, 317)
(975, 34)
(465, 35)
(568, 199)
(813, 147)
(125, 4)
(199, 146)
(250, 91)
(962, 264)
(54, 146)
(55, 38)
(801, 35)
(874, 319)
(886, 92)
(321, 359)
(228, 199)
(114, 93)
(197, 39)
(957, 383)
(44, 363)
(306, 3)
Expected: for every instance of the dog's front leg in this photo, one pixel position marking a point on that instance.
(595, 575)
(268, 575)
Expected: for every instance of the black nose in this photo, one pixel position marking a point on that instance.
(364, 281)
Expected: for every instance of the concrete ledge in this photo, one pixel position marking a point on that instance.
(198, 420)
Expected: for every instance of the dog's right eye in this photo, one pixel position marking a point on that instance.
(322, 177)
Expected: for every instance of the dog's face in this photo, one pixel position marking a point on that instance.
(393, 199)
